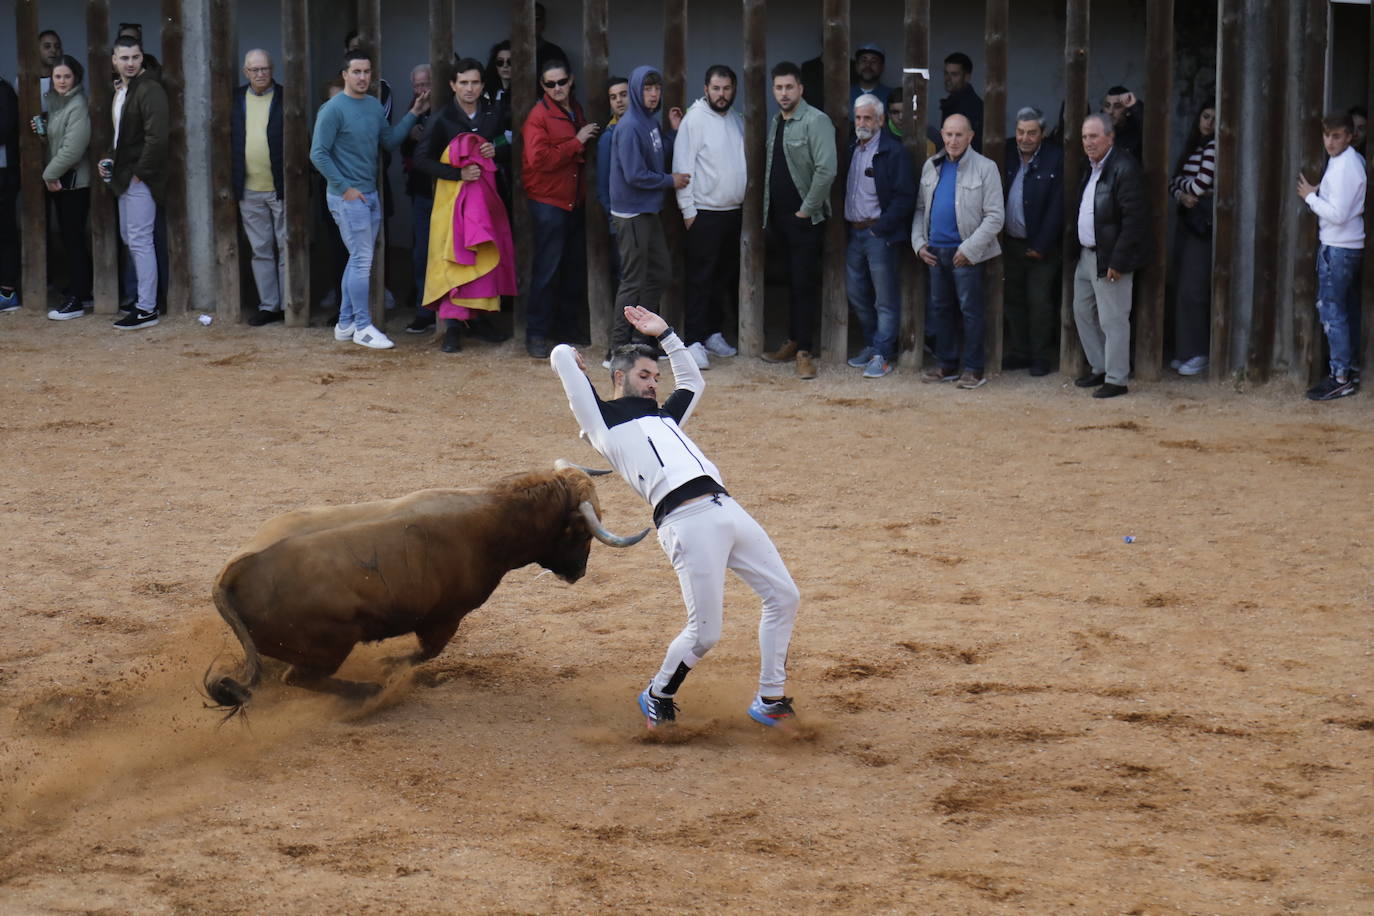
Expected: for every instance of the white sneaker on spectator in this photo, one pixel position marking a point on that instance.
(371, 337)
(342, 332)
(717, 346)
(1175, 363)
(1194, 366)
(699, 354)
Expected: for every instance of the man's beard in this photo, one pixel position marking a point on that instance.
(722, 104)
(864, 133)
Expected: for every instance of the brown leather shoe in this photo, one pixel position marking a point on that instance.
(784, 354)
(806, 364)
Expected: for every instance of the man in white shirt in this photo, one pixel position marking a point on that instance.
(710, 147)
(1113, 241)
(1339, 205)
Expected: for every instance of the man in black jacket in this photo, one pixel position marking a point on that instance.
(1034, 179)
(470, 112)
(963, 98)
(255, 136)
(1111, 241)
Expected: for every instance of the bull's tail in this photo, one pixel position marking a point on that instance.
(232, 693)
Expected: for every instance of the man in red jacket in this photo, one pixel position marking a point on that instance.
(555, 134)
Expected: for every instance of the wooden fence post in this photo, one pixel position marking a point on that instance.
(752, 254)
(1224, 204)
(524, 91)
(595, 51)
(917, 87)
(994, 138)
(834, 339)
(178, 290)
(104, 232)
(1159, 83)
(440, 55)
(1259, 362)
(33, 290)
(674, 93)
(223, 57)
(295, 42)
(1071, 359)
(370, 34)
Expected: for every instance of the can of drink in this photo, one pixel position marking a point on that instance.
(40, 125)
(106, 169)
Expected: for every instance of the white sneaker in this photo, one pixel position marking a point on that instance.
(343, 332)
(699, 354)
(1175, 363)
(716, 346)
(605, 364)
(1194, 366)
(371, 337)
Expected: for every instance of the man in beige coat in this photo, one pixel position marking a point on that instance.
(959, 212)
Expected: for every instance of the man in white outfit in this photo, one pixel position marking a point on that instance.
(710, 147)
(702, 530)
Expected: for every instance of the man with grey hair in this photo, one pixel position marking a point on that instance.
(1112, 244)
(959, 212)
(1034, 181)
(879, 198)
(255, 139)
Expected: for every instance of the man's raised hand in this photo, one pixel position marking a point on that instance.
(645, 321)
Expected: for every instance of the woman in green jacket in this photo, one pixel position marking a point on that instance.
(67, 175)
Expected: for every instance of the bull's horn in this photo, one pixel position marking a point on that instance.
(563, 463)
(604, 536)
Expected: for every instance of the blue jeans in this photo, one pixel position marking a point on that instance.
(873, 281)
(358, 222)
(558, 275)
(956, 292)
(1338, 304)
(420, 209)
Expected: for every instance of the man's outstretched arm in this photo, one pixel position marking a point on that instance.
(688, 383)
(572, 372)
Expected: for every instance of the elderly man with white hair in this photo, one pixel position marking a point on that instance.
(255, 139)
(1112, 243)
(879, 197)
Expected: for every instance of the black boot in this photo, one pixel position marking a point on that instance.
(452, 340)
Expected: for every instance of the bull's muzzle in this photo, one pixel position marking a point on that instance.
(604, 536)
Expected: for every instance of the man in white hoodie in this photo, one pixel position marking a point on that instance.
(1339, 205)
(710, 147)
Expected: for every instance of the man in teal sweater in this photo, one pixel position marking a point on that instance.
(349, 130)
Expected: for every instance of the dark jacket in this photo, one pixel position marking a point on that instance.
(967, 103)
(489, 123)
(1129, 135)
(142, 144)
(1042, 194)
(9, 126)
(237, 119)
(1120, 214)
(895, 180)
(418, 184)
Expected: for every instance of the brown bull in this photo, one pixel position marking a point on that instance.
(316, 582)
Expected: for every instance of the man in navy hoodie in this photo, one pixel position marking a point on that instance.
(640, 157)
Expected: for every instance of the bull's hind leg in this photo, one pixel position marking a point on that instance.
(433, 639)
(323, 682)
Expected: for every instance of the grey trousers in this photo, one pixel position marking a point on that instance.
(1102, 311)
(264, 222)
(137, 216)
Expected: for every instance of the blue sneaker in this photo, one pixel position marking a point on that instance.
(772, 714)
(858, 362)
(9, 301)
(657, 710)
(877, 367)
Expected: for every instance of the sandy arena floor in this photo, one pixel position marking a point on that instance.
(1004, 706)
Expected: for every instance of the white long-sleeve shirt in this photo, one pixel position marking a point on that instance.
(710, 148)
(1339, 201)
(643, 441)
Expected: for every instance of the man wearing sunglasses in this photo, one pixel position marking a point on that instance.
(555, 135)
(879, 198)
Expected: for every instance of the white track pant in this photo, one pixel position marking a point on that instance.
(702, 540)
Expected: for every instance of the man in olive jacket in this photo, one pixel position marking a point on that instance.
(1112, 243)
(139, 173)
(801, 165)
